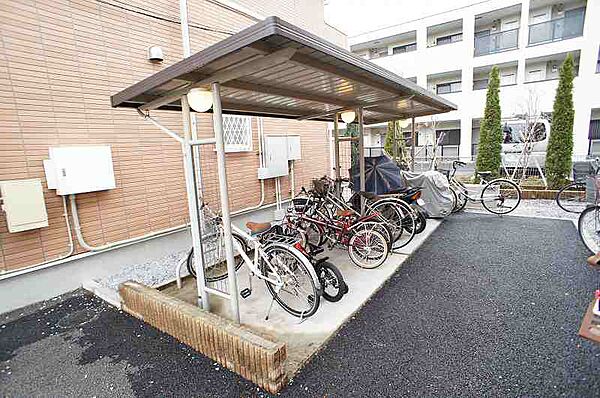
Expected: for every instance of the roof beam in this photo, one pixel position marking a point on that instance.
(385, 111)
(290, 93)
(223, 76)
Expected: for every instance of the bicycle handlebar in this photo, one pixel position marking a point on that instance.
(458, 163)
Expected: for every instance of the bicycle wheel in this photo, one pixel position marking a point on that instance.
(367, 248)
(588, 227)
(332, 281)
(218, 271)
(500, 196)
(377, 227)
(461, 200)
(420, 221)
(571, 198)
(300, 294)
(454, 198)
(399, 219)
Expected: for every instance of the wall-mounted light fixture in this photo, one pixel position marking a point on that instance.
(155, 54)
(348, 116)
(200, 99)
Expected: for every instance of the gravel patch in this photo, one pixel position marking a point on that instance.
(542, 208)
(151, 273)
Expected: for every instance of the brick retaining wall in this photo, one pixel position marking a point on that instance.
(238, 349)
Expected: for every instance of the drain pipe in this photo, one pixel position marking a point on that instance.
(292, 180)
(260, 128)
(91, 248)
(52, 262)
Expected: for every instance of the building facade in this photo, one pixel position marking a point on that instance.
(451, 53)
(47, 46)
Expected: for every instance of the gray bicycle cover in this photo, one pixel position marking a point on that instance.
(435, 191)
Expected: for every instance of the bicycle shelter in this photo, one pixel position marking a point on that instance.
(271, 69)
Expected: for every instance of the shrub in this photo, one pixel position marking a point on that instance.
(560, 144)
(490, 136)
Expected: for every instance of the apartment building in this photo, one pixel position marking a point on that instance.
(451, 53)
(48, 46)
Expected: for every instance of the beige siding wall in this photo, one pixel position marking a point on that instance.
(60, 60)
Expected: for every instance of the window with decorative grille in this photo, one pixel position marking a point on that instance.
(237, 133)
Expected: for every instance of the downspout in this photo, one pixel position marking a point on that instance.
(259, 125)
(86, 246)
(292, 181)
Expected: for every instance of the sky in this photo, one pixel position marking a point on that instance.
(354, 17)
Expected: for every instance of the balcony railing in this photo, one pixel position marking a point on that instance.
(496, 42)
(569, 26)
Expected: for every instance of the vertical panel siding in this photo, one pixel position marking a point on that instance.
(59, 63)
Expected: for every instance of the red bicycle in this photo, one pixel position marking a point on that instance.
(367, 240)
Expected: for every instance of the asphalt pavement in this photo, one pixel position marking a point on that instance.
(488, 306)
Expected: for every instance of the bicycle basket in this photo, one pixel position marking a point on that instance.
(320, 186)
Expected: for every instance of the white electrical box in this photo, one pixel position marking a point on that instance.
(23, 203)
(276, 161)
(80, 169)
(294, 148)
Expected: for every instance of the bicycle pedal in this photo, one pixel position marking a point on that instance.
(245, 293)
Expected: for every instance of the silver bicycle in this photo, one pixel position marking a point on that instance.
(287, 272)
(498, 196)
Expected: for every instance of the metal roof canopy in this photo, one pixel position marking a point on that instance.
(271, 69)
(276, 69)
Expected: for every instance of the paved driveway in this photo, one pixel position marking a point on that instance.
(486, 307)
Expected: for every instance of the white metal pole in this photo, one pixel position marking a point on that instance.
(361, 158)
(412, 145)
(336, 153)
(336, 144)
(220, 147)
(187, 51)
(192, 195)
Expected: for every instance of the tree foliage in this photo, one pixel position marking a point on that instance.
(560, 144)
(393, 128)
(490, 136)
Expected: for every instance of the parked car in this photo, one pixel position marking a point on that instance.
(514, 135)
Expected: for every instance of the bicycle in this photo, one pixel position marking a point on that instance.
(288, 274)
(395, 215)
(333, 286)
(572, 197)
(363, 238)
(588, 224)
(499, 196)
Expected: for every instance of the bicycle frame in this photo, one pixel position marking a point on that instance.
(466, 192)
(341, 232)
(258, 254)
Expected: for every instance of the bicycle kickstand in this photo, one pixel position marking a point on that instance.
(302, 318)
(269, 309)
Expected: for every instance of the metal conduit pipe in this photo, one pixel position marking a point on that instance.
(89, 247)
(49, 263)
(260, 128)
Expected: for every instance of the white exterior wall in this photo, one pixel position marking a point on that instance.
(428, 60)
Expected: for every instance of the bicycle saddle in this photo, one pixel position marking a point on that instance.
(368, 195)
(258, 227)
(406, 190)
(484, 173)
(344, 213)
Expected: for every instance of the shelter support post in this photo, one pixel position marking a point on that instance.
(223, 194)
(361, 158)
(193, 203)
(394, 140)
(336, 151)
(412, 144)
